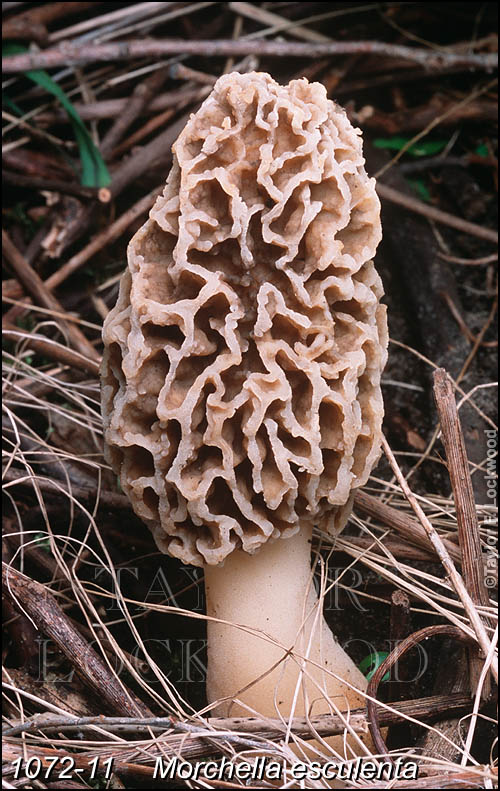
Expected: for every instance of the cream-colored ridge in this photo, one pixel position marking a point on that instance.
(241, 374)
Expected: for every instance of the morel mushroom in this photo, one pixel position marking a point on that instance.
(241, 377)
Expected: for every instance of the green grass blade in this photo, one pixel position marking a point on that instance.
(94, 171)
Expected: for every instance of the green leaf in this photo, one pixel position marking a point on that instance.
(420, 149)
(94, 171)
(370, 663)
(42, 542)
(482, 150)
(421, 189)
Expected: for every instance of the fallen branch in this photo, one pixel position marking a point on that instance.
(52, 349)
(33, 283)
(141, 97)
(41, 607)
(50, 185)
(106, 236)
(439, 216)
(105, 499)
(463, 495)
(439, 546)
(272, 729)
(80, 55)
(404, 524)
(401, 649)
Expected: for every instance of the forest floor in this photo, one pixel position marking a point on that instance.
(99, 624)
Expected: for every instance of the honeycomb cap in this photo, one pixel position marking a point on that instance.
(241, 372)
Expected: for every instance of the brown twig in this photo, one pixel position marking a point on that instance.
(52, 349)
(408, 527)
(35, 600)
(178, 71)
(110, 108)
(461, 323)
(463, 496)
(487, 259)
(397, 76)
(141, 97)
(79, 55)
(72, 699)
(265, 17)
(32, 23)
(102, 239)
(374, 719)
(105, 499)
(443, 554)
(439, 111)
(41, 294)
(273, 729)
(399, 549)
(150, 126)
(439, 216)
(478, 341)
(399, 629)
(51, 185)
(157, 151)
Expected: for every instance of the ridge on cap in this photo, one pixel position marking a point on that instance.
(241, 372)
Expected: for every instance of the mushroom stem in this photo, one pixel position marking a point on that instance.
(271, 593)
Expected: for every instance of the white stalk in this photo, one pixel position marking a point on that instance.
(272, 592)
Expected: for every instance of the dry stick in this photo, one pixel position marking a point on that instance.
(158, 150)
(464, 329)
(42, 559)
(36, 601)
(105, 499)
(150, 126)
(478, 341)
(408, 527)
(452, 111)
(105, 237)
(266, 17)
(400, 650)
(443, 217)
(42, 295)
(34, 20)
(487, 259)
(178, 71)
(110, 108)
(272, 729)
(142, 95)
(399, 549)
(80, 55)
(52, 349)
(439, 546)
(399, 629)
(52, 185)
(49, 13)
(463, 496)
